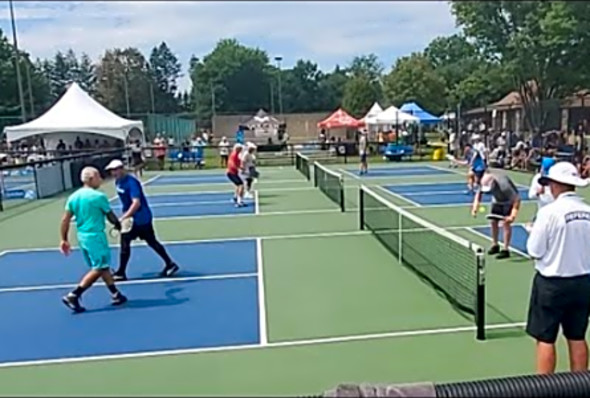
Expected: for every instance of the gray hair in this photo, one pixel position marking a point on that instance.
(88, 173)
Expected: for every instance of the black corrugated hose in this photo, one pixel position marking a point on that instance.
(546, 386)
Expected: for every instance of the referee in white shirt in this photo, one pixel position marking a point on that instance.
(560, 245)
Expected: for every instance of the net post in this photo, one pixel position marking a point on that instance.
(400, 243)
(480, 305)
(342, 206)
(315, 174)
(361, 208)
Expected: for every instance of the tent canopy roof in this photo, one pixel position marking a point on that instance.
(339, 119)
(372, 113)
(77, 112)
(262, 117)
(393, 115)
(414, 109)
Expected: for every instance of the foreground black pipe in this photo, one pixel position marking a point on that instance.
(557, 385)
(534, 386)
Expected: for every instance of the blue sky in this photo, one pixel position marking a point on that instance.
(328, 33)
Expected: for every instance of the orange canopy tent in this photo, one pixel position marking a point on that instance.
(339, 119)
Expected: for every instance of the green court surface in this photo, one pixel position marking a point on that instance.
(339, 307)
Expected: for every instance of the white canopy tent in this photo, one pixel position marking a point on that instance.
(394, 116)
(370, 117)
(74, 113)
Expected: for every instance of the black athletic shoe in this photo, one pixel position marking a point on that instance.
(73, 303)
(119, 277)
(118, 299)
(494, 250)
(170, 270)
(503, 254)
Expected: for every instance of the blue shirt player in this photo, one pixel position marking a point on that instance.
(240, 135)
(135, 206)
(477, 169)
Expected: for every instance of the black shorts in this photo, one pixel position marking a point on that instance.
(500, 211)
(224, 157)
(136, 159)
(363, 158)
(144, 232)
(559, 302)
(235, 179)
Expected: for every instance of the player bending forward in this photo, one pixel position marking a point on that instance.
(249, 166)
(505, 206)
(90, 207)
(539, 192)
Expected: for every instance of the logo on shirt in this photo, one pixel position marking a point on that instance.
(120, 190)
(577, 216)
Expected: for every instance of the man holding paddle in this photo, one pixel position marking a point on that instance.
(137, 219)
(90, 207)
(505, 206)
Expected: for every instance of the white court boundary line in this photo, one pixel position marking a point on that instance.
(269, 213)
(489, 238)
(263, 324)
(256, 203)
(398, 196)
(149, 281)
(271, 345)
(216, 240)
(340, 234)
(262, 182)
(227, 191)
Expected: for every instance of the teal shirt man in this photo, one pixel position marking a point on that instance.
(90, 207)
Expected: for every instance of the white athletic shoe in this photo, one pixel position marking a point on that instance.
(248, 195)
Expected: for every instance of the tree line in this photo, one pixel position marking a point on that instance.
(540, 49)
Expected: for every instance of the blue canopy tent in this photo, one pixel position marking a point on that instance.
(414, 109)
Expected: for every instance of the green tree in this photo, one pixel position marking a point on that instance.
(413, 78)
(540, 44)
(359, 94)
(37, 89)
(234, 77)
(331, 86)
(123, 76)
(165, 69)
(63, 69)
(300, 87)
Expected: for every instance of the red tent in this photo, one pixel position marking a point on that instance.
(339, 119)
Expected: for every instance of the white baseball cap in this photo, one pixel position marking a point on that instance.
(564, 173)
(114, 164)
(486, 182)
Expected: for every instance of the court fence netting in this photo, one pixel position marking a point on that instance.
(567, 384)
(452, 265)
(330, 183)
(26, 182)
(302, 164)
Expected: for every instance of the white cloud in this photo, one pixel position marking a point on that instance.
(327, 32)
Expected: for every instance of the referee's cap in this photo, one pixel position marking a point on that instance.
(564, 173)
(114, 164)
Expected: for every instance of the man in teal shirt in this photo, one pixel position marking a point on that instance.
(90, 207)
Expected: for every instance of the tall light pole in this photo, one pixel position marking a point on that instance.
(212, 98)
(279, 59)
(272, 98)
(152, 97)
(30, 89)
(19, 80)
(126, 88)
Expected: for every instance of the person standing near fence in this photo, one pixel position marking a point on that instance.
(363, 152)
(223, 151)
(559, 243)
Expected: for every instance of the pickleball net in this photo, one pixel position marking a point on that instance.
(452, 265)
(302, 165)
(330, 183)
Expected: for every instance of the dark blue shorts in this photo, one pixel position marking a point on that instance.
(235, 179)
(363, 158)
(478, 173)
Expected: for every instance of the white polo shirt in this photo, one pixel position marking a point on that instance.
(560, 238)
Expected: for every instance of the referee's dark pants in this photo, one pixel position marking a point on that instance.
(146, 233)
(559, 302)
